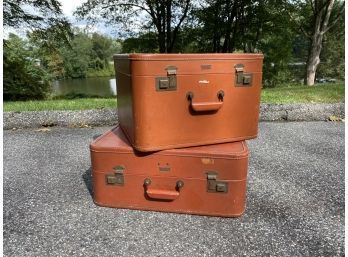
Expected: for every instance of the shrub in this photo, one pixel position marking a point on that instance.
(24, 79)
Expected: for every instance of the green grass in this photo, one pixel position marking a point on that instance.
(321, 93)
(107, 72)
(63, 104)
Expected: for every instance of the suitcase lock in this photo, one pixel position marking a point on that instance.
(243, 79)
(117, 178)
(167, 83)
(214, 185)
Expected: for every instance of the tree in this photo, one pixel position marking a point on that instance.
(166, 16)
(314, 18)
(85, 53)
(229, 25)
(332, 56)
(248, 26)
(101, 46)
(144, 43)
(16, 12)
(24, 78)
(47, 45)
(34, 14)
(43, 17)
(218, 20)
(49, 30)
(77, 57)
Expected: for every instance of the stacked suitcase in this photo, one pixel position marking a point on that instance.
(180, 144)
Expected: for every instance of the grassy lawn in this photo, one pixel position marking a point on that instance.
(62, 104)
(323, 93)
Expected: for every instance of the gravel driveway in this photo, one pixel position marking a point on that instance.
(295, 204)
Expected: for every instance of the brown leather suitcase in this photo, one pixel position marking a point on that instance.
(203, 180)
(180, 100)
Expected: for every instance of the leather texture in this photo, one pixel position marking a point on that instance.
(173, 180)
(195, 112)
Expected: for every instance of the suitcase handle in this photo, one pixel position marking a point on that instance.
(163, 194)
(206, 106)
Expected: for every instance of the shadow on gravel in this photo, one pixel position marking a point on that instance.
(87, 178)
(96, 136)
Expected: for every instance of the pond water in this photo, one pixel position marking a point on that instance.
(102, 86)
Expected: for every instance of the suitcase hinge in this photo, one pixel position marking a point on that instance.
(167, 83)
(214, 185)
(117, 178)
(242, 79)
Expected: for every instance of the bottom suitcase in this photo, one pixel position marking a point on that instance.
(204, 180)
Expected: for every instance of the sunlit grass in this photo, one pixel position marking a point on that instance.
(62, 104)
(321, 93)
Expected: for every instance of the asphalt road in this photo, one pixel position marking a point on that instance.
(295, 201)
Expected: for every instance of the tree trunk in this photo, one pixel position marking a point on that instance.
(162, 42)
(321, 20)
(161, 14)
(226, 47)
(313, 59)
(168, 21)
(163, 27)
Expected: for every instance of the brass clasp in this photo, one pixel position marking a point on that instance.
(214, 185)
(117, 178)
(167, 83)
(243, 79)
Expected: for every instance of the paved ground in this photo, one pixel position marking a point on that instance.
(295, 201)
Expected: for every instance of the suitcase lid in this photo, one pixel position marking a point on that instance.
(115, 140)
(185, 64)
(187, 57)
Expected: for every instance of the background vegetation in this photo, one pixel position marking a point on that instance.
(285, 31)
(31, 63)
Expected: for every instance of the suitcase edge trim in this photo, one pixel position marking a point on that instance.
(244, 153)
(187, 212)
(192, 56)
(187, 145)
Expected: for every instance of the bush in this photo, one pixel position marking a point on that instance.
(75, 95)
(24, 79)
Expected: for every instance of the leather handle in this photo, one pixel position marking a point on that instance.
(163, 194)
(206, 106)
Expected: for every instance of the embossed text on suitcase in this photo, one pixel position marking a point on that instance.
(204, 180)
(180, 100)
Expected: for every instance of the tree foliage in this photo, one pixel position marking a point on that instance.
(230, 25)
(42, 17)
(24, 78)
(144, 43)
(314, 18)
(45, 13)
(332, 56)
(248, 26)
(31, 64)
(102, 50)
(165, 16)
(85, 52)
(77, 58)
(290, 33)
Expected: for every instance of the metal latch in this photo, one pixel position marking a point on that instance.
(243, 79)
(117, 177)
(167, 83)
(214, 185)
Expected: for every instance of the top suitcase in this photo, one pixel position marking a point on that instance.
(180, 100)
